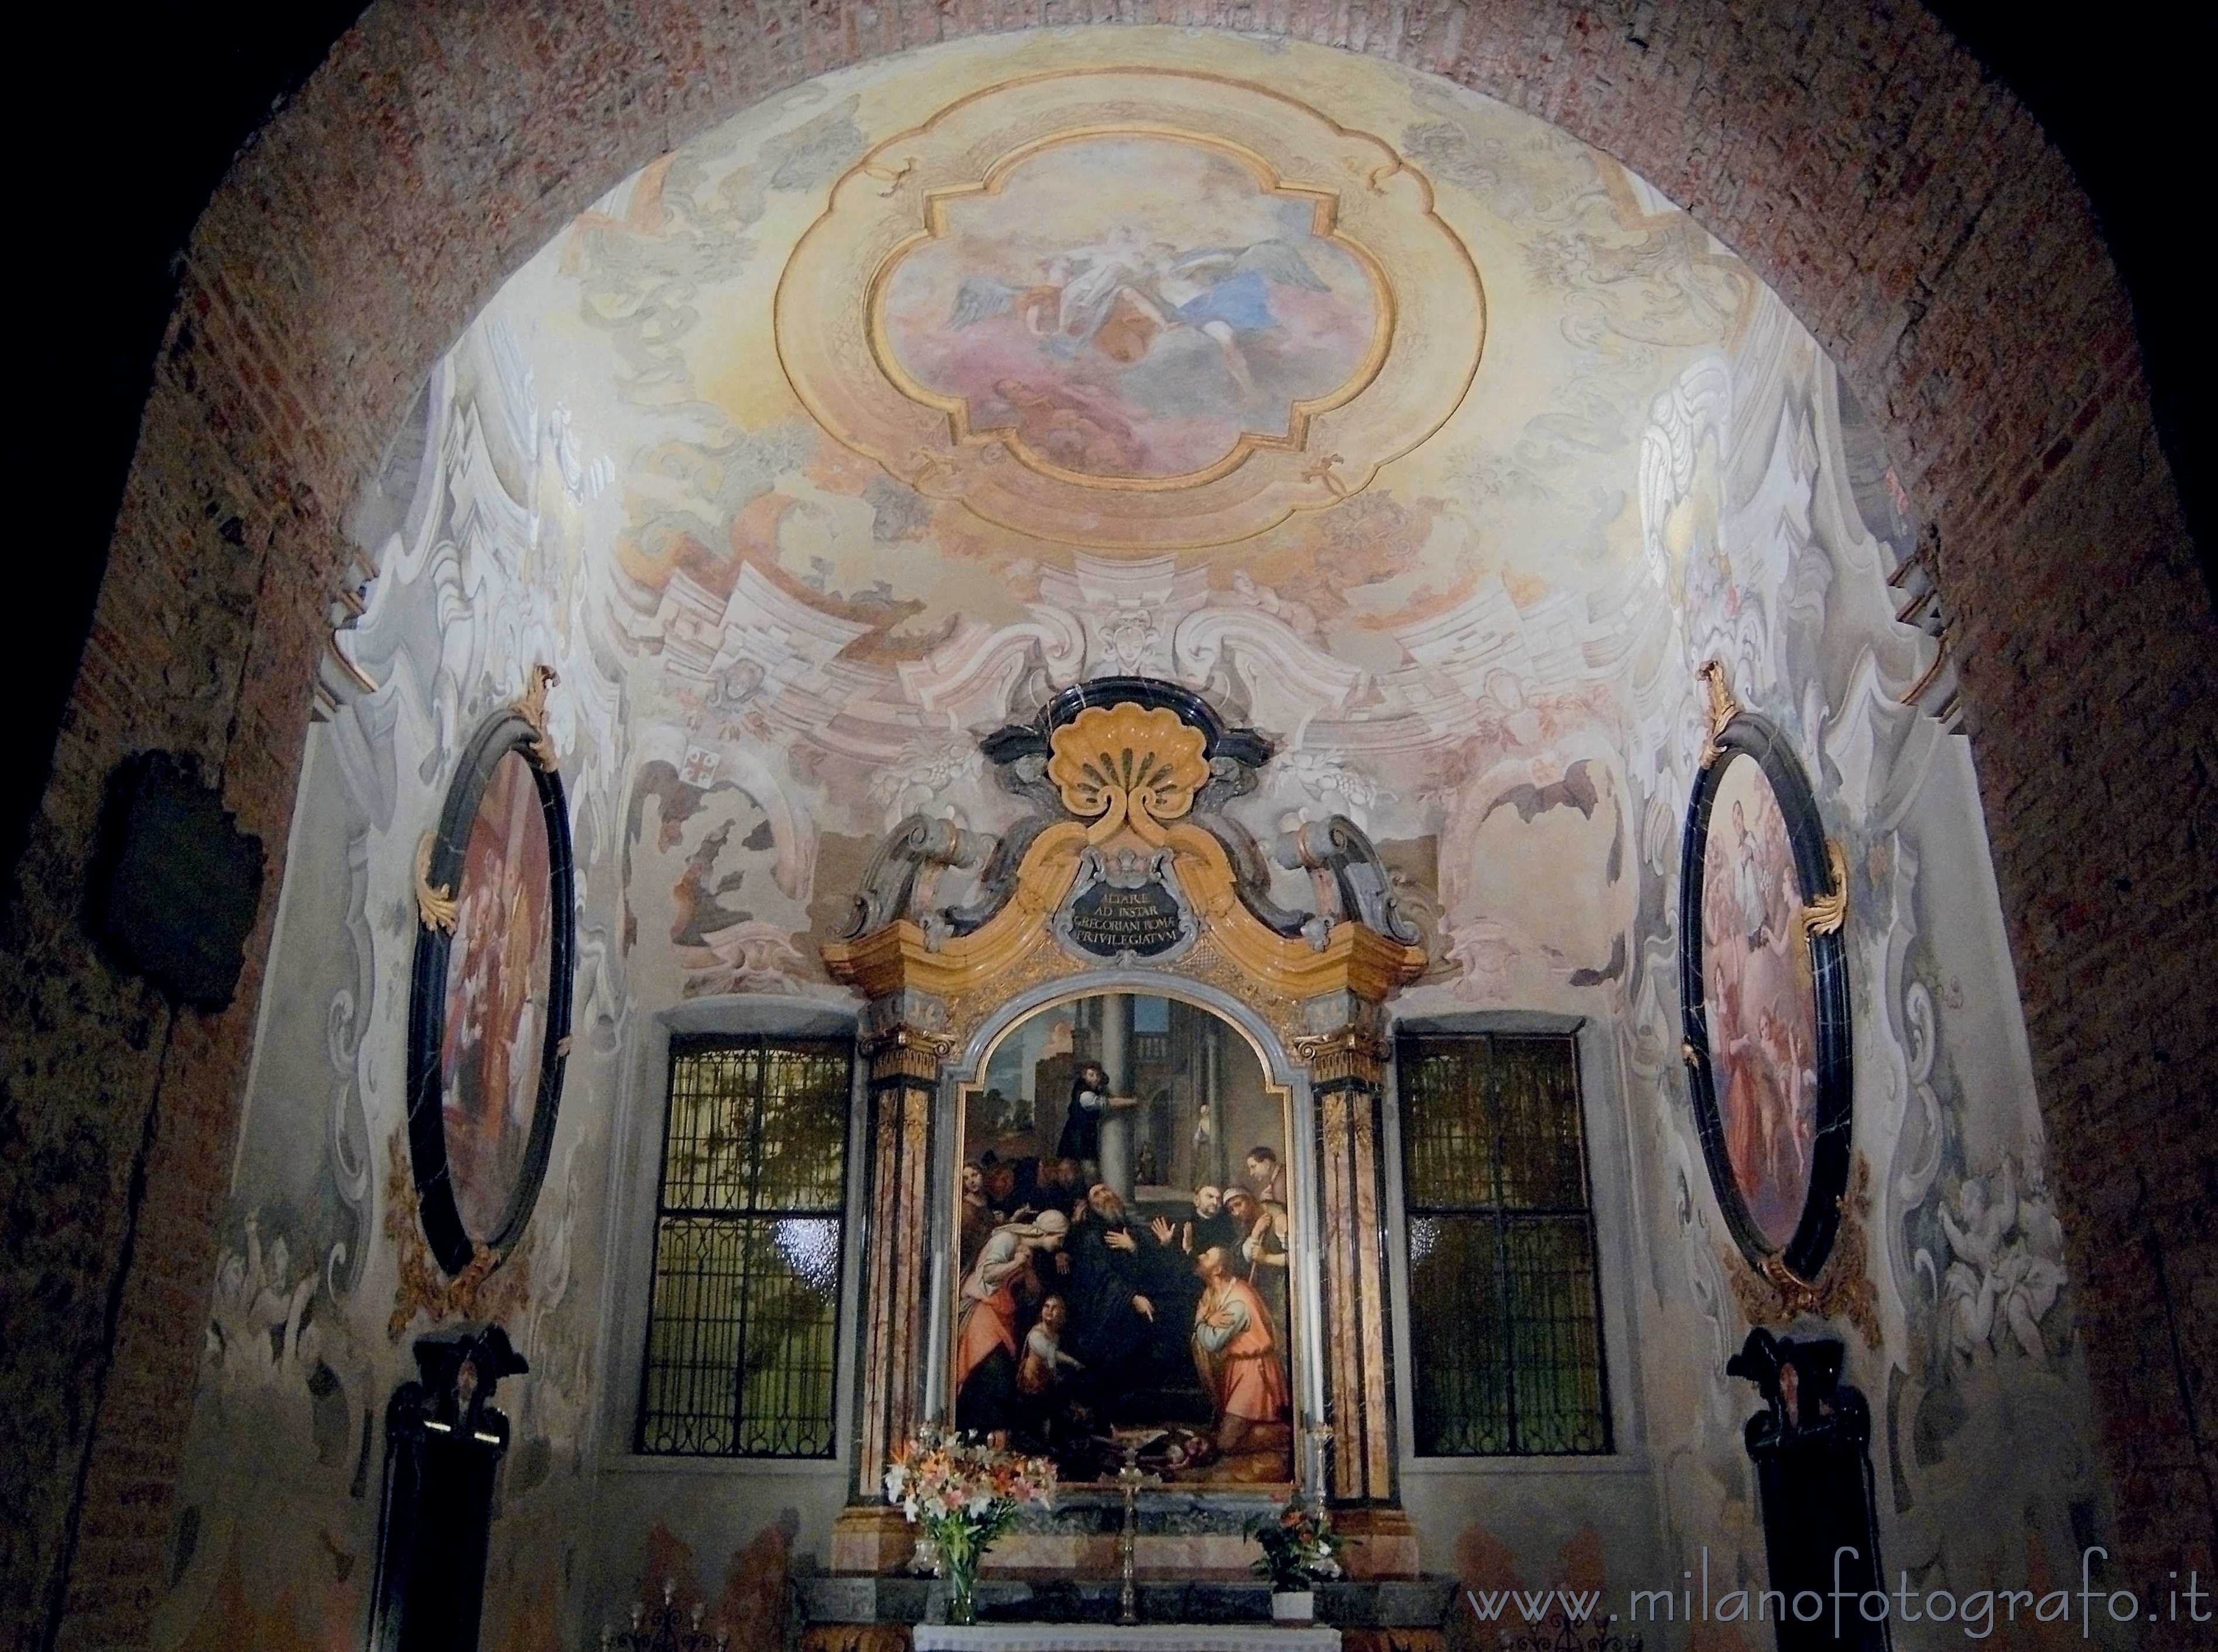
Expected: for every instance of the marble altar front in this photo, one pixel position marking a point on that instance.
(894, 1614)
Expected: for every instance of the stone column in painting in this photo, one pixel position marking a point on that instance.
(1346, 1070)
(1117, 1122)
(904, 1068)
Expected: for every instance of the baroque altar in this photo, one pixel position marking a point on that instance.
(1124, 880)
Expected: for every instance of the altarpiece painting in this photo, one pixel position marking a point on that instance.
(1124, 1247)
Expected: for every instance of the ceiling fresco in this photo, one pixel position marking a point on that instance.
(1176, 354)
(1131, 310)
(907, 337)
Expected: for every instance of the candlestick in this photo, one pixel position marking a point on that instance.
(1319, 1439)
(1131, 1478)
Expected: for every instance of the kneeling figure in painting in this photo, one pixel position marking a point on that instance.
(1236, 1352)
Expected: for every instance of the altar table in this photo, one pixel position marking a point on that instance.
(1177, 1614)
(1125, 1637)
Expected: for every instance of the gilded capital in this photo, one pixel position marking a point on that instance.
(907, 1053)
(1349, 1055)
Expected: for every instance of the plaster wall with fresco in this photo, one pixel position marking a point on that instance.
(1470, 548)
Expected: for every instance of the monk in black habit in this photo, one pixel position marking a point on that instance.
(1131, 1301)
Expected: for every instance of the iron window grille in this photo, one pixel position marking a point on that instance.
(743, 1327)
(1505, 1300)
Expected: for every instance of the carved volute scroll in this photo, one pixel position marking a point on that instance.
(1128, 860)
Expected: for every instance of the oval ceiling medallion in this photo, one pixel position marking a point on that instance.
(1131, 310)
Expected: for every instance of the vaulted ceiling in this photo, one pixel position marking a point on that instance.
(1352, 345)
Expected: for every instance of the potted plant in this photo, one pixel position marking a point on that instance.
(964, 1495)
(1299, 1546)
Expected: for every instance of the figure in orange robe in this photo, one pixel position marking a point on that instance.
(1238, 1356)
(989, 1297)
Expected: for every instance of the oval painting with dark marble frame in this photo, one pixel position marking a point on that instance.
(1761, 1010)
(489, 1004)
(1765, 1001)
(499, 973)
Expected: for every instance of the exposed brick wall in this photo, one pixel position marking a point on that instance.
(2094, 669)
(1906, 207)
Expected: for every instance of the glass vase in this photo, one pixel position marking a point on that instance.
(958, 1561)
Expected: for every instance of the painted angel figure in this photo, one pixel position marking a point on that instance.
(2006, 1274)
(1977, 1244)
(2030, 1275)
(1119, 296)
(2026, 1288)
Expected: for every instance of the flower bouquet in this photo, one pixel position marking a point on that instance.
(1299, 1546)
(964, 1495)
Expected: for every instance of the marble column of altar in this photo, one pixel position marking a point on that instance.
(1346, 1073)
(869, 1537)
(1209, 1168)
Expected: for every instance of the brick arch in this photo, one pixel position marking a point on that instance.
(1903, 204)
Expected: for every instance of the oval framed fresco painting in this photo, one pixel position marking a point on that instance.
(489, 1004)
(1765, 993)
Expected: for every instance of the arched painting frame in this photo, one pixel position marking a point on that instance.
(1748, 761)
(507, 754)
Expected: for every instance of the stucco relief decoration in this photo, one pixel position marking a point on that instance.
(1129, 766)
(1131, 309)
